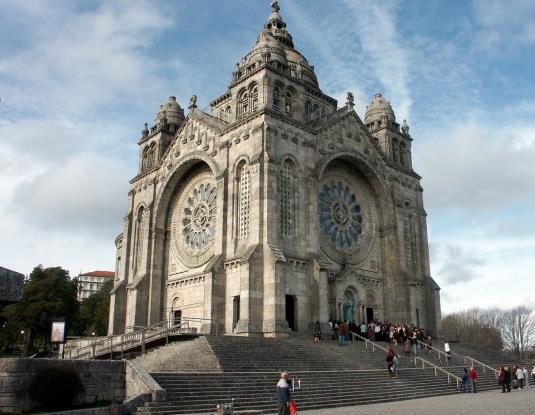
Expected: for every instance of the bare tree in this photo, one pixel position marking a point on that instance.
(473, 327)
(518, 329)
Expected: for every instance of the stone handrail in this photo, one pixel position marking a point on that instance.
(483, 365)
(437, 369)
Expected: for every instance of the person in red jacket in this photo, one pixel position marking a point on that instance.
(473, 378)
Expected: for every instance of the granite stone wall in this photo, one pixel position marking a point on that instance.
(102, 380)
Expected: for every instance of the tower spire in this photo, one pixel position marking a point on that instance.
(275, 6)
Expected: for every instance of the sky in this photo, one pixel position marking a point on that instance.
(79, 78)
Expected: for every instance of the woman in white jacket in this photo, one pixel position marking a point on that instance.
(520, 377)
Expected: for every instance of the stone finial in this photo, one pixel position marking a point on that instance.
(192, 103)
(350, 100)
(275, 6)
(405, 127)
(145, 131)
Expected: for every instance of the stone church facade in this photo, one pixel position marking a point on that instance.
(275, 210)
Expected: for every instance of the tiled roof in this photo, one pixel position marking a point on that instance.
(107, 274)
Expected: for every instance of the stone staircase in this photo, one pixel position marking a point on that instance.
(248, 391)
(248, 369)
(188, 355)
(486, 378)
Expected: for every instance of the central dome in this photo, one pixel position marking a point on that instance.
(276, 41)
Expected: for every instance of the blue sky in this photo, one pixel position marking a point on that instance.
(79, 78)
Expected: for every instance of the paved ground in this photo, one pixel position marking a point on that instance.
(484, 403)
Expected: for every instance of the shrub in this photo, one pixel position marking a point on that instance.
(55, 388)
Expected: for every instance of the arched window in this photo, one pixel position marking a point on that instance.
(316, 112)
(308, 111)
(243, 104)
(254, 98)
(288, 104)
(402, 153)
(287, 199)
(408, 239)
(140, 233)
(149, 157)
(146, 159)
(243, 177)
(276, 98)
(395, 150)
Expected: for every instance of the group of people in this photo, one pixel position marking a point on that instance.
(516, 377)
(408, 336)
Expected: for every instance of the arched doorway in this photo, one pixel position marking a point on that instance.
(176, 312)
(370, 303)
(291, 312)
(235, 311)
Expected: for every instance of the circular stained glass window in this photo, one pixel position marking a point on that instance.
(340, 215)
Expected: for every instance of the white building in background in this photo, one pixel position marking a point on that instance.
(90, 282)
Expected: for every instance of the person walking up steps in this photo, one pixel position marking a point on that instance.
(447, 349)
(283, 394)
(317, 332)
(390, 361)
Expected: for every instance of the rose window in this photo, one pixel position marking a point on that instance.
(340, 215)
(198, 216)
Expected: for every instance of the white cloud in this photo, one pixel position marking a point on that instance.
(477, 167)
(502, 23)
(379, 38)
(458, 265)
(86, 194)
(83, 58)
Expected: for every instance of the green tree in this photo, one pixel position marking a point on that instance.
(94, 312)
(49, 293)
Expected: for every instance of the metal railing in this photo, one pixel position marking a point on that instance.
(424, 362)
(439, 353)
(483, 365)
(436, 368)
(137, 338)
(370, 343)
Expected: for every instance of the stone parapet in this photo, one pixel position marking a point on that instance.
(102, 381)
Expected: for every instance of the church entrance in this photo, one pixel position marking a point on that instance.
(177, 317)
(291, 312)
(369, 314)
(235, 311)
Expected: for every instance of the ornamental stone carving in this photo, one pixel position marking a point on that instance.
(193, 222)
(346, 216)
(339, 214)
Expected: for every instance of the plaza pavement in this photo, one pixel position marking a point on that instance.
(484, 403)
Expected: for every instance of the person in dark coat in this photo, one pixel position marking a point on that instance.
(283, 394)
(464, 378)
(501, 378)
(507, 379)
(317, 332)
